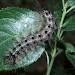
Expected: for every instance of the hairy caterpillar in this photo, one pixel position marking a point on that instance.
(32, 40)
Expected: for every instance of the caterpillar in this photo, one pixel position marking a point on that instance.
(32, 40)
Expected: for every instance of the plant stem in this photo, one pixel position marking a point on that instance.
(62, 19)
(59, 36)
(63, 3)
(70, 9)
(47, 58)
(60, 25)
(52, 60)
(50, 66)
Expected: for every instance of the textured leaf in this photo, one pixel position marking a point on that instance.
(71, 2)
(70, 53)
(58, 12)
(70, 24)
(16, 23)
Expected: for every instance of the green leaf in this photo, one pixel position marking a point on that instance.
(16, 23)
(69, 24)
(57, 11)
(71, 2)
(70, 53)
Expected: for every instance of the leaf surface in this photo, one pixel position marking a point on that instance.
(16, 23)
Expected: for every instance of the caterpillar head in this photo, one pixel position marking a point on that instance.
(10, 59)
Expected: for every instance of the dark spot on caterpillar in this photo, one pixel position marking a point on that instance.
(18, 52)
(49, 26)
(46, 32)
(52, 27)
(25, 40)
(32, 37)
(49, 19)
(27, 44)
(19, 45)
(14, 48)
(10, 59)
(47, 13)
(41, 40)
(39, 35)
(13, 59)
(23, 49)
(48, 35)
(34, 42)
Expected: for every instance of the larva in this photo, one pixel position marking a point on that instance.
(32, 40)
